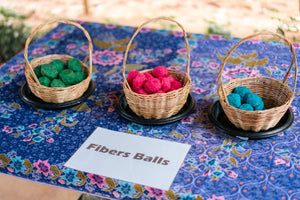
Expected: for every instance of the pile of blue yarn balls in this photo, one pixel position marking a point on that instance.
(244, 99)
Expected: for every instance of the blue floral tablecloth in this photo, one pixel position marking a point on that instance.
(35, 143)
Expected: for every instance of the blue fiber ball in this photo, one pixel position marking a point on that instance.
(234, 100)
(242, 91)
(260, 106)
(246, 106)
(253, 99)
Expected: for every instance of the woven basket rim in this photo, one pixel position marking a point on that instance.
(255, 111)
(60, 88)
(255, 78)
(187, 84)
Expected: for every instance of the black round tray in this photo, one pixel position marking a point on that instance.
(218, 117)
(28, 97)
(127, 113)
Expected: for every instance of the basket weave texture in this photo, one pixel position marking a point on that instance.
(160, 105)
(276, 95)
(59, 94)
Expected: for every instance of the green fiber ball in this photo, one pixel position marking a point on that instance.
(45, 81)
(67, 76)
(57, 83)
(234, 100)
(247, 107)
(49, 70)
(37, 71)
(241, 90)
(253, 99)
(79, 76)
(74, 64)
(60, 65)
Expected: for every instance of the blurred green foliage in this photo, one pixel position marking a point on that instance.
(167, 24)
(288, 27)
(108, 20)
(217, 29)
(13, 33)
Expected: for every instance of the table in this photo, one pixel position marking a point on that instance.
(35, 143)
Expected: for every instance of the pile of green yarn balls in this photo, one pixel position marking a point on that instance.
(244, 99)
(58, 74)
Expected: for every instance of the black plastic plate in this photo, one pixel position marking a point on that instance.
(28, 97)
(218, 117)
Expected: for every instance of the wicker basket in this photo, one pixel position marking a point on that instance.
(161, 105)
(57, 95)
(276, 95)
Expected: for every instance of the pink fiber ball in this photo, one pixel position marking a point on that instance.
(176, 85)
(152, 85)
(131, 76)
(171, 78)
(165, 84)
(141, 91)
(160, 91)
(148, 75)
(160, 71)
(138, 82)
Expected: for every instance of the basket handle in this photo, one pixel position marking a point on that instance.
(294, 60)
(89, 56)
(187, 69)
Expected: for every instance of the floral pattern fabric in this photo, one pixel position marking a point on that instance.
(35, 143)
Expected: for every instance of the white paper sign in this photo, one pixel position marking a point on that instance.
(131, 158)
